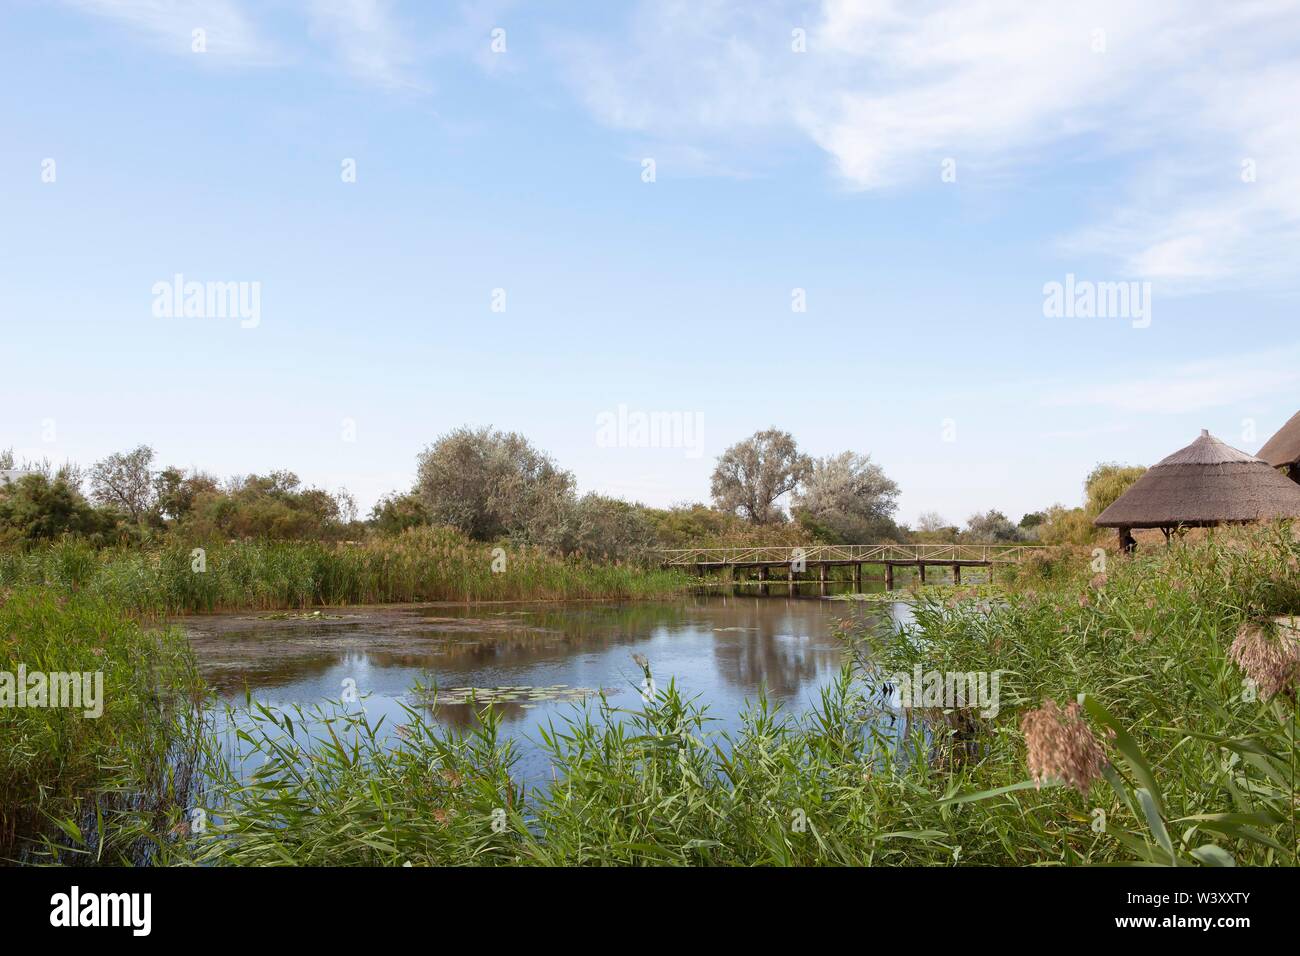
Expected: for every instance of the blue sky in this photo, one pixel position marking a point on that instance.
(1156, 145)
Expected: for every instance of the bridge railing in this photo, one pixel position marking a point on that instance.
(864, 553)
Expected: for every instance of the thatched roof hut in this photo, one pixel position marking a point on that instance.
(1283, 449)
(1207, 483)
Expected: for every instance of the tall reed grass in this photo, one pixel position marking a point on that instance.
(423, 564)
(1194, 766)
(1195, 769)
(1197, 756)
(87, 784)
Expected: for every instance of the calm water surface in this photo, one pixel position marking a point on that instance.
(723, 648)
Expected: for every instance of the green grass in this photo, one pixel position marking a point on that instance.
(84, 783)
(1147, 642)
(1198, 772)
(942, 592)
(427, 564)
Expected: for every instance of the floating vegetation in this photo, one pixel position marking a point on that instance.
(301, 616)
(523, 695)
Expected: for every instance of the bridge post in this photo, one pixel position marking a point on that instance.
(889, 577)
(956, 574)
(821, 572)
(922, 564)
(857, 577)
(762, 572)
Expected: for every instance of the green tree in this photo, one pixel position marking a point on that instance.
(123, 481)
(490, 484)
(1063, 525)
(847, 499)
(991, 526)
(608, 529)
(396, 512)
(271, 506)
(36, 507)
(1106, 483)
(752, 474)
(176, 493)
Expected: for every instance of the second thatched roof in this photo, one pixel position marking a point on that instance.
(1284, 447)
(1206, 483)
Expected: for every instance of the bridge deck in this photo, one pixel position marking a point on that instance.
(842, 555)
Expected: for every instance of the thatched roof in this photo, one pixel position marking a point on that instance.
(1284, 447)
(1205, 483)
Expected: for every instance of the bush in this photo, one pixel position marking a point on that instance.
(489, 484)
(38, 508)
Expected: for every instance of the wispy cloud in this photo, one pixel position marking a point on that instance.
(369, 41)
(1192, 386)
(364, 36)
(228, 34)
(1185, 92)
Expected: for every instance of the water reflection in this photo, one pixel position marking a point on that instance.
(722, 647)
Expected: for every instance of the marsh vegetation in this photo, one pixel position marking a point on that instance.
(1183, 750)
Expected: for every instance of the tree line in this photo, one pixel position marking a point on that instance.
(497, 486)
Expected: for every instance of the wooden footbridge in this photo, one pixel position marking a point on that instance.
(794, 562)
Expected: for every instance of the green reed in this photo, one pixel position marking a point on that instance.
(425, 564)
(77, 788)
(1146, 640)
(1198, 770)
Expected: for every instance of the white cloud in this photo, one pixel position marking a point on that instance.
(170, 24)
(364, 35)
(1192, 386)
(889, 88)
(370, 43)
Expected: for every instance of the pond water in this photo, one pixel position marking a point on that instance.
(536, 661)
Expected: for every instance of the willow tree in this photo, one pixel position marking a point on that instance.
(847, 498)
(491, 484)
(752, 474)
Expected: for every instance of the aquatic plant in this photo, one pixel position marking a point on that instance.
(1199, 768)
(82, 783)
(421, 564)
